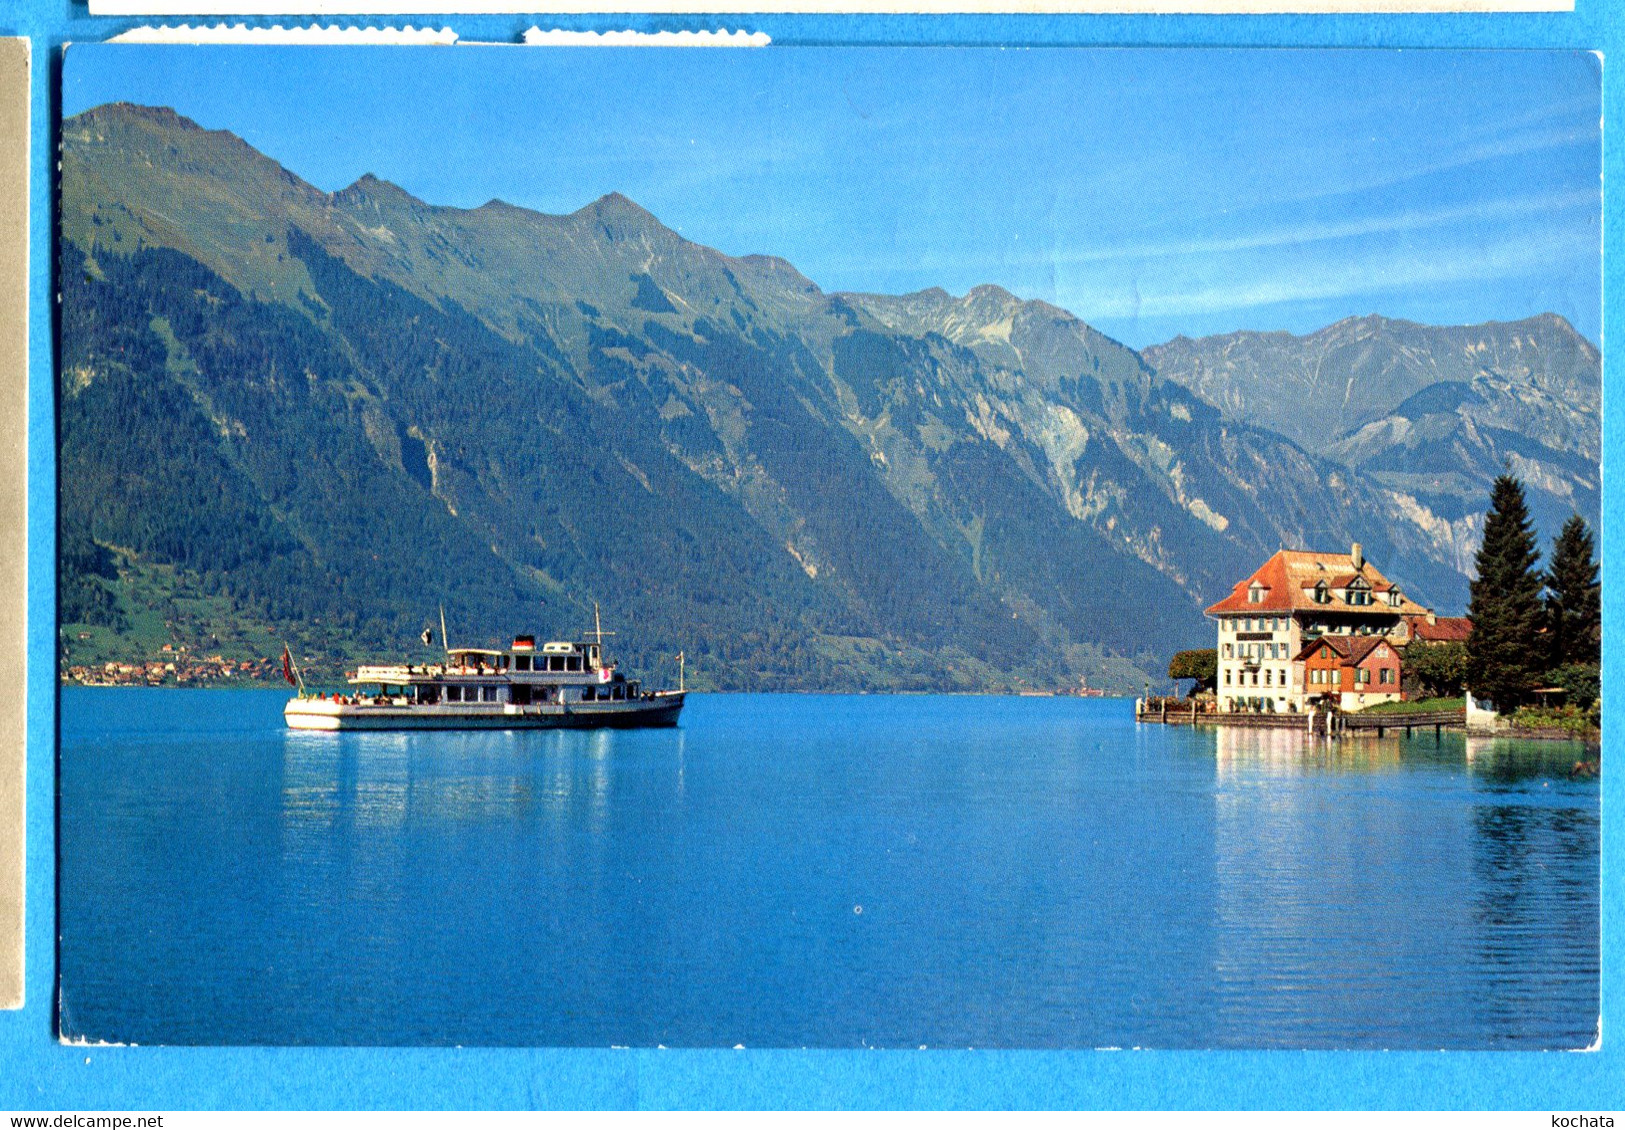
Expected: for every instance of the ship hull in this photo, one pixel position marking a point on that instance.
(325, 714)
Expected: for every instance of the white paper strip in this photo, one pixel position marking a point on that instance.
(241, 33)
(536, 37)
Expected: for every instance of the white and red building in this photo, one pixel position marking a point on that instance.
(1294, 598)
(1350, 672)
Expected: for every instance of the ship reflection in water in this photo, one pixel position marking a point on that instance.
(383, 780)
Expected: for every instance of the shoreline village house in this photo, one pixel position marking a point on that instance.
(1350, 672)
(1295, 598)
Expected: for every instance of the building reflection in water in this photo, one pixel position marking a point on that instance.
(1389, 881)
(1279, 751)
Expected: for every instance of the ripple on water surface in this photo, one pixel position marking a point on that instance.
(804, 870)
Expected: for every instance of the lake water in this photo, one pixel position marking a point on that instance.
(821, 871)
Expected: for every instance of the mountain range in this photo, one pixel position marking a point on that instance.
(335, 411)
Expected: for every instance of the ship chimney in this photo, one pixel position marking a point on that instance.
(1357, 557)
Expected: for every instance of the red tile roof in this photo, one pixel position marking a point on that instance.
(1290, 575)
(1353, 650)
(1444, 629)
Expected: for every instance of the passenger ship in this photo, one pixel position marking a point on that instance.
(561, 685)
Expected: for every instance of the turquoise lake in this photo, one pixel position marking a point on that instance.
(818, 871)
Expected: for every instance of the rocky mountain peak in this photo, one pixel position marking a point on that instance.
(371, 189)
(613, 207)
(162, 116)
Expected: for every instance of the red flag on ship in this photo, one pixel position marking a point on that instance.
(287, 667)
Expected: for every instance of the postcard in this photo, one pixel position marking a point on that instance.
(830, 547)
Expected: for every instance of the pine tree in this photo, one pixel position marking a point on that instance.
(1504, 652)
(1574, 597)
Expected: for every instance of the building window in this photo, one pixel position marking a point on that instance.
(1362, 675)
(1387, 676)
(1227, 676)
(1229, 651)
(1268, 679)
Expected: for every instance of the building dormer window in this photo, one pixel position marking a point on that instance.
(1394, 598)
(1255, 593)
(1322, 593)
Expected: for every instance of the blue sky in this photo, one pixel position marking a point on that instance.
(1150, 191)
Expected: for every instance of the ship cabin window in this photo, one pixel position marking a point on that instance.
(521, 663)
(454, 694)
(592, 655)
(574, 663)
(488, 694)
(618, 692)
(589, 694)
(555, 663)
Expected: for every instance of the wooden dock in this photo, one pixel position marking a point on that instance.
(1437, 720)
(1169, 713)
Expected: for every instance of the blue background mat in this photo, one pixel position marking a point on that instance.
(38, 1074)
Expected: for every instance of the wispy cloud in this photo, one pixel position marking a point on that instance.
(1513, 257)
(1322, 232)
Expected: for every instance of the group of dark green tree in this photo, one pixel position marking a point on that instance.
(1536, 633)
(1533, 630)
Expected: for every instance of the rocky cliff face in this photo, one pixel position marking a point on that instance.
(1431, 414)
